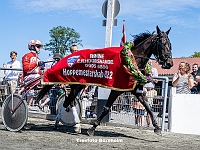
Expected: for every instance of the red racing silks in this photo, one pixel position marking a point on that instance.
(102, 67)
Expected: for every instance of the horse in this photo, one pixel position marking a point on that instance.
(145, 45)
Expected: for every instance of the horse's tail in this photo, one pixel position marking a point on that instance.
(44, 91)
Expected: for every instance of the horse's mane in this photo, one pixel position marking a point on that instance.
(141, 37)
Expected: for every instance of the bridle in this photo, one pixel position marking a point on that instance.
(160, 47)
(160, 54)
(157, 47)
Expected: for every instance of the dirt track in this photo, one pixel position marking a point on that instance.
(39, 134)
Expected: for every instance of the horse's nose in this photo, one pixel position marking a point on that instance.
(167, 65)
(170, 62)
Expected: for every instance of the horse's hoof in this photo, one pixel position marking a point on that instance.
(90, 132)
(55, 128)
(77, 128)
(157, 131)
(67, 109)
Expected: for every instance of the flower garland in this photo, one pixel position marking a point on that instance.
(131, 66)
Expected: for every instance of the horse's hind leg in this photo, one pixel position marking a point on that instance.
(112, 97)
(143, 99)
(75, 89)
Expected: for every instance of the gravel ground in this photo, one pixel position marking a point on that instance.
(39, 134)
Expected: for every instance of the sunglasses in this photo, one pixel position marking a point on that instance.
(38, 46)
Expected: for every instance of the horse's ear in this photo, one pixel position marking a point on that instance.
(167, 32)
(158, 29)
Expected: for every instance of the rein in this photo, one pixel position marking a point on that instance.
(145, 57)
(139, 56)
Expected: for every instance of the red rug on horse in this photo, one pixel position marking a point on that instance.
(103, 67)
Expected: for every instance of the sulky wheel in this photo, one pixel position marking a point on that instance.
(67, 117)
(14, 121)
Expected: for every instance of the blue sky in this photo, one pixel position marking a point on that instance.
(23, 20)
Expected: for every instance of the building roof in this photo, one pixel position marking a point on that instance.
(176, 62)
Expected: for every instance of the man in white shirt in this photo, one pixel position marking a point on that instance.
(12, 75)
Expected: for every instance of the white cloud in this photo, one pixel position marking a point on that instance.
(81, 6)
(171, 11)
(176, 12)
(127, 6)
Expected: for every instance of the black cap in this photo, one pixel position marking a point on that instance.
(57, 56)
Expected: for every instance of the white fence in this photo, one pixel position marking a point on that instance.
(184, 113)
(127, 110)
(123, 111)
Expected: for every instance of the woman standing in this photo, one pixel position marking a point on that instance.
(183, 80)
(138, 111)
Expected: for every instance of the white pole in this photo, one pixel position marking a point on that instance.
(109, 23)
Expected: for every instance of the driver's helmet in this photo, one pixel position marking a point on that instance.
(34, 43)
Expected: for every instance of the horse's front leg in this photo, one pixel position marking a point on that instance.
(112, 97)
(143, 99)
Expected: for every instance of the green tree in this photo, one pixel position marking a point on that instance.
(61, 40)
(196, 55)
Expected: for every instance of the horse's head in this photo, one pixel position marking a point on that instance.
(146, 44)
(162, 49)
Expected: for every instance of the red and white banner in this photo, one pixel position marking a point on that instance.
(123, 40)
(101, 67)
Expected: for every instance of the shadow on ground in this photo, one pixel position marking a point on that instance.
(70, 130)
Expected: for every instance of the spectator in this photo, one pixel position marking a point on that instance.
(194, 89)
(150, 94)
(20, 79)
(183, 80)
(56, 57)
(93, 99)
(150, 91)
(138, 111)
(73, 48)
(154, 73)
(48, 65)
(197, 79)
(53, 93)
(89, 108)
(85, 104)
(4, 91)
(12, 75)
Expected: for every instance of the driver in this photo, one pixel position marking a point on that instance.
(31, 65)
(30, 61)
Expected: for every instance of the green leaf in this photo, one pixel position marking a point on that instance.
(61, 40)
(131, 68)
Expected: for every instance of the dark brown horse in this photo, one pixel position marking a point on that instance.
(145, 45)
